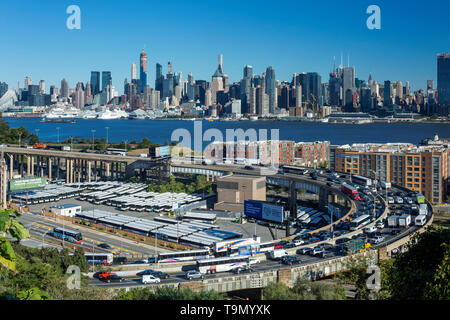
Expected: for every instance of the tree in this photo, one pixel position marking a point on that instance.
(356, 275)
(304, 289)
(423, 271)
(10, 225)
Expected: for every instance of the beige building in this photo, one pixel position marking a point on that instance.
(233, 190)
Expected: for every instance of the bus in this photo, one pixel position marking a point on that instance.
(224, 247)
(184, 255)
(120, 152)
(99, 258)
(223, 264)
(351, 191)
(359, 222)
(294, 170)
(68, 235)
(199, 217)
(363, 181)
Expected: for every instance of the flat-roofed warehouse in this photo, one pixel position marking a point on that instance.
(233, 190)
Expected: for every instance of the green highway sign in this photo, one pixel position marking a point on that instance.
(26, 184)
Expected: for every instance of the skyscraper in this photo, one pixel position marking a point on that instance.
(270, 88)
(106, 79)
(348, 81)
(42, 86)
(80, 97)
(387, 99)
(28, 82)
(143, 71)
(220, 63)
(246, 84)
(64, 88)
(133, 71)
(95, 82)
(443, 78)
(159, 78)
(3, 88)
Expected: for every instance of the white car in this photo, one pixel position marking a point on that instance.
(298, 242)
(391, 200)
(148, 278)
(377, 239)
(399, 200)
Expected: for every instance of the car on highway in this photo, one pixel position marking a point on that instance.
(104, 246)
(145, 272)
(325, 246)
(102, 274)
(194, 274)
(342, 240)
(289, 245)
(161, 275)
(113, 278)
(304, 250)
(242, 269)
(380, 225)
(330, 184)
(317, 251)
(139, 262)
(314, 240)
(395, 231)
(151, 260)
(120, 260)
(376, 239)
(326, 254)
(298, 242)
(290, 260)
(148, 278)
(281, 243)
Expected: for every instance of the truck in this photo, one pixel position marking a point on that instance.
(423, 209)
(420, 198)
(351, 191)
(392, 221)
(420, 220)
(404, 220)
(277, 254)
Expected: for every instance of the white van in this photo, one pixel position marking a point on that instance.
(278, 254)
(148, 278)
(370, 229)
(420, 220)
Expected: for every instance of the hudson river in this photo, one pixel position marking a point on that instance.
(159, 131)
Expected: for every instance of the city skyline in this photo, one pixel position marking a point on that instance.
(370, 51)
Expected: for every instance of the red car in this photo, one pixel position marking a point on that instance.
(103, 274)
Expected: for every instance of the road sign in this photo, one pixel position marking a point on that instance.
(26, 184)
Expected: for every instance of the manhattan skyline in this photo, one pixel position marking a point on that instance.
(293, 38)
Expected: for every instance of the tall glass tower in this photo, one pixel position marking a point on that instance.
(106, 79)
(443, 78)
(270, 88)
(95, 82)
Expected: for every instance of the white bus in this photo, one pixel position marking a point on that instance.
(184, 255)
(99, 258)
(222, 247)
(363, 181)
(359, 222)
(223, 264)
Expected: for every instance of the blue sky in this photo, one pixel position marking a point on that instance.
(292, 36)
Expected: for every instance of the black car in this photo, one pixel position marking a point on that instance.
(395, 231)
(104, 246)
(242, 269)
(289, 245)
(342, 240)
(289, 260)
(160, 274)
(113, 278)
(282, 243)
(145, 272)
(330, 184)
(120, 260)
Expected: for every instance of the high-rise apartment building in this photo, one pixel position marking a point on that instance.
(143, 71)
(64, 93)
(271, 89)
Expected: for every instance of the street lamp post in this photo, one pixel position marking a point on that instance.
(93, 142)
(57, 129)
(107, 135)
(20, 139)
